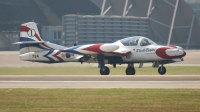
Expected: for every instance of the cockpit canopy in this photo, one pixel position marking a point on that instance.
(136, 41)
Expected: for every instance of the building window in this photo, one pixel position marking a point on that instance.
(55, 35)
(59, 35)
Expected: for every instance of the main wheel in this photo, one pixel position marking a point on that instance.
(130, 71)
(104, 71)
(162, 70)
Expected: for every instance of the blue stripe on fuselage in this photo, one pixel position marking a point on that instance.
(46, 56)
(72, 50)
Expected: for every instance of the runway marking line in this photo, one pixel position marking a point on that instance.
(96, 81)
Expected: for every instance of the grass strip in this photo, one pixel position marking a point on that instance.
(98, 100)
(171, 70)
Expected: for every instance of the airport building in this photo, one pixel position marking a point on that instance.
(80, 29)
(168, 22)
(165, 22)
(52, 34)
(7, 39)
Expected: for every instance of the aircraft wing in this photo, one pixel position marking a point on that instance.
(92, 49)
(121, 52)
(107, 49)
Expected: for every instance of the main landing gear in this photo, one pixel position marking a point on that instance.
(130, 70)
(104, 70)
(162, 70)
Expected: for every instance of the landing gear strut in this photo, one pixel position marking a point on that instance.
(130, 70)
(104, 70)
(162, 70)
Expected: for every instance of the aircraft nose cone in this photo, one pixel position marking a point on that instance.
(180, 48)
(184, 53)
(180, 53)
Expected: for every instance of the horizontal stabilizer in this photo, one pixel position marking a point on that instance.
(29, 42)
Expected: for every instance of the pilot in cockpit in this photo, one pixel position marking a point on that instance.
(133, 42)
(145, 42)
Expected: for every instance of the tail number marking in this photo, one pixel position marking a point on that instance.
(35, 56)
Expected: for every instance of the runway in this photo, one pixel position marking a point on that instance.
(98, 81)
(11, 59)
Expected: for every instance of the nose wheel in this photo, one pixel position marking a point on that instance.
(104, 71)
(162, 70)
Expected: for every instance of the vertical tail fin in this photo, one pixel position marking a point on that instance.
(30, 40)
(29, 35)
(29, 32)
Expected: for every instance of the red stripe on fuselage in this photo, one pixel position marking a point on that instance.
(94, 48)
(56, 56)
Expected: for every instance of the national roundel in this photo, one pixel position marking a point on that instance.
(68, 55)
(31, 33)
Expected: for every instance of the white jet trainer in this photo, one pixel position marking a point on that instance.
(130, 50)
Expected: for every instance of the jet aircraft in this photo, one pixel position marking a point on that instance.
(130, 50)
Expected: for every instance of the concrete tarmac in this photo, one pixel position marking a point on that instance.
(93, 81)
